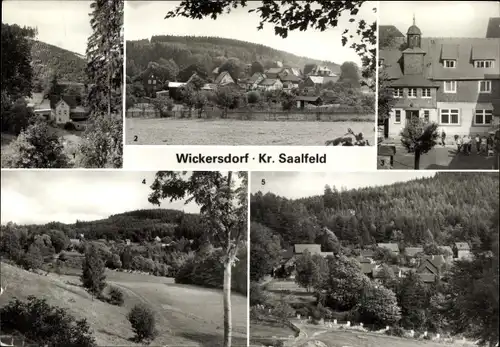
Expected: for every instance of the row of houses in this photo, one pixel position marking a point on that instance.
(452, 81)
(428, 267)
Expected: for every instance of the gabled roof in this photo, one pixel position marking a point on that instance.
(255, 77)
(412, 251)
(466, 49)
(221, 76)
(268, 82)
(274, 70)
(434, 263)
(390, 246)
(316, 79)
(312, 248)
(462, 246)
(307, 98)
(68, 99)
(289, 78)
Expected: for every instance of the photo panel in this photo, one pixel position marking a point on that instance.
(62, 84)
(144, 258)
(373, 258)
(226, 76)
(439, 85)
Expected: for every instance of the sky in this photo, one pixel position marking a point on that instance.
(440, 18)
(144, 19)
(65, 24)
(38, 197)
(295, 185)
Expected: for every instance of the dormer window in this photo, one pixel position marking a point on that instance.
(450, 64)
(398, 92)
(412, 92)
(484, 63)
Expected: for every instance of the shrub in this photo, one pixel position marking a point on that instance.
(396, 331)
(69, 126)
(44, 324)
(257, 295)
(115, 296)
(253, 97)
(142, 319)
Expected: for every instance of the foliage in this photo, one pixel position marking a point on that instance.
(256, 67)
(93, 277)
(413, 299)
(115, 296)
(162, 105)
(386, 100)
(36, 147)
(59, 240)
(419, 137)
(265, 251)
(44, 324)
(143, 321)
(349, 73)
(16, 116)
(33, 258)
(102, 143)
(310, 270)
(227, 98)
(253, 97)
(378, 306)
(17, 75)
(257, 295)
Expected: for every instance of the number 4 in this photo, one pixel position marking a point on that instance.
(144, 181)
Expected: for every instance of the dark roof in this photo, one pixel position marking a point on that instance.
(464, 48)
(434, 263)
(367, 252)
(256, 76)
(414, 30)
(289, 78)
(69, 99)
(307, 98)
(493, 30)
(287, 253)
(268, 82)
(414, 81)
(312, 248)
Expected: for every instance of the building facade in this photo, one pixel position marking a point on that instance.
(454, 82)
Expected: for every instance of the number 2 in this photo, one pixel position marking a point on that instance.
(135, 138)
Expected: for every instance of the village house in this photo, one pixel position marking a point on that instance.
(66, 109)
(430, 268)
(224, 79)
(393, 247)
(253, 82)
(377, 271)
(270, 84)
(454, 82)
(289, 256)
(448, 252)
(289, 81)
(411, 252)
(319, 70)
(367, 253)
(273, 72)
(462, 250)
(312, 82)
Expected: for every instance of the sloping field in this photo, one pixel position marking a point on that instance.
(185, 315)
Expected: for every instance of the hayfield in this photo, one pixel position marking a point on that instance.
(163, 131)
(185, 315)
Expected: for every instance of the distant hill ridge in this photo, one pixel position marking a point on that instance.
(47, 59)
(181, 48)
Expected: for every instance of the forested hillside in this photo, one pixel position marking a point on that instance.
(209, 52)
(139, 225)
(446, 208)
(48, 59)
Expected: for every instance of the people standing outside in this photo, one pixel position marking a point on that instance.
(477, 140)
(443, 138)
(484, 145)
(466, 144)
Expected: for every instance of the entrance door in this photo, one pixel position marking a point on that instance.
(386, 128)
(411, 114)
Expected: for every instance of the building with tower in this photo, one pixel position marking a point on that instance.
(452, 81)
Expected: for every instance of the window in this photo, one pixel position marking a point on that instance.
(398, 92)
(154, 81)
(412, 92)
(450, 116)
(450, 86)
(426, 116)
(397, 116)
(381, 62)
(484, 86)
(483, 117)
(450, 64)
(484, 63)
(426, 92)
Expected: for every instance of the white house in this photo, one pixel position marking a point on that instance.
(61, 112)
(270, 84)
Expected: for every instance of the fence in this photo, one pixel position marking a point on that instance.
(255, 115)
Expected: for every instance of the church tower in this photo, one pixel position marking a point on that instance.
(413, 36)
(413, 55)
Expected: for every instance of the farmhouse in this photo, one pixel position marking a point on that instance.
(270, 84)
(393, 247)
(321, 71)
(273, 72)
(66, 109)
(289, 81)
(462, 250)
(430, 268)
(454, 82)
(302, 101)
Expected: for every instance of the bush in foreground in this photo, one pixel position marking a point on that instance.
(115, 296)
(142, 319)
(44, 324)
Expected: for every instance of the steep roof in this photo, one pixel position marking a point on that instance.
(412, 251)
(493, 30)
(465, 50)
(386, 30)
(221, 76)
(289, 78)
(390, 246)
(274, 70)
(307, 98)
(255, 77)
(69, 99)
(434, 263)
(316, 79)
(312, 248)
(268, 82)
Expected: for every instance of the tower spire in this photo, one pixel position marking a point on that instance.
(414, 19)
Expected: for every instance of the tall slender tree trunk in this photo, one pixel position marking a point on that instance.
(416, 164)
(228, 325)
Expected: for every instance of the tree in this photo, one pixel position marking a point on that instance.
(378, 306)
(93, 277)
(36, 147)
(349, 72)
(412, 298)
(33, 258)
(385, 95)
(162, 104)
(16, 116)
(419, 137)
(102, 141)
(115, 296)
(265, 251)
(256, 67)
(309, 68)
(310, 270)
(59, 240)
(143, 321)
(227, 98)
(198, 69)
(328, 240)
(233, 66)
(293, 15)
(223, 207)
(17, 75)
(44, 324)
